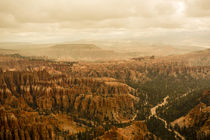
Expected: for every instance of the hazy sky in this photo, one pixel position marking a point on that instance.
(166, 21)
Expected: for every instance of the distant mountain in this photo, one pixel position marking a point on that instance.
(76, 47)
(7, 51)
(21, 45)
(84, 52)
(97, 50)
(201, 57)
(142, 48)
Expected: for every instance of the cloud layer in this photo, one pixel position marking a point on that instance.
(66, 20)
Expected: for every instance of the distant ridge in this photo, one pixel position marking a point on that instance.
(76, 46)
(7, 51)
(75, 52)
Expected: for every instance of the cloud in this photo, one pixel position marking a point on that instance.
(198, 8)
(7, 21)
(80, 10)
(43, 19)
(48, 14)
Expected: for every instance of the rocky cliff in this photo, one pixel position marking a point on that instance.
(197, 120)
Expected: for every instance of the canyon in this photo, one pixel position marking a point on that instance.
(42, 98)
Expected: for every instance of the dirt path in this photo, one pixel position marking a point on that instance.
(153, 113)
(117, 118)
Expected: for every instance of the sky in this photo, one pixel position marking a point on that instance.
(160, 21)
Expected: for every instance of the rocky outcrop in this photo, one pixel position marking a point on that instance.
(197, 120)
(136, 131)
(21, 125)
(86, 97)
(34, 91)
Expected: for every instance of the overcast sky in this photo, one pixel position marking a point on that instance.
(184, 21)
